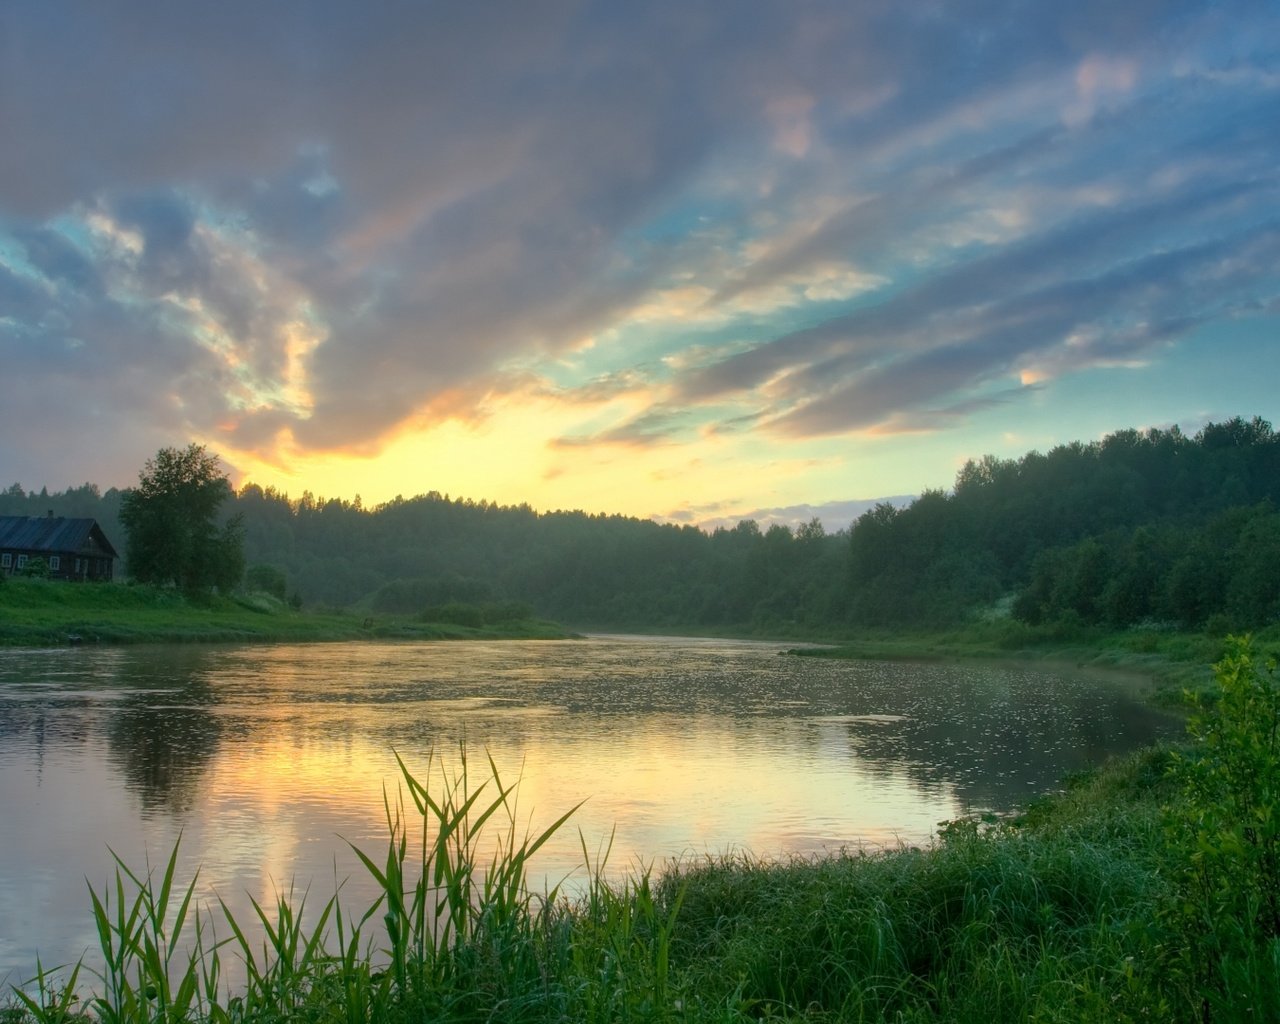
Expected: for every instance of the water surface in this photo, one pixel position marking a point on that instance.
(268, 760)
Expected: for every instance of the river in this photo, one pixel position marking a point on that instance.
(268, 761)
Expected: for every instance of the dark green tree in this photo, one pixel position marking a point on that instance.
(172, 522)
(267, 579)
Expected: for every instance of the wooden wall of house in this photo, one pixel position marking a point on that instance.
(95, 567)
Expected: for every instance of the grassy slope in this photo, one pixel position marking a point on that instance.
(1043, 919)
(40, 613)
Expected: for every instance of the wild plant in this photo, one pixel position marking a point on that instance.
(458, 923)
(280, 982)
(53, 1002)
(1224, 834)
(147, 974)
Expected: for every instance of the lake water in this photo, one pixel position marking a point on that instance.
(267, 760)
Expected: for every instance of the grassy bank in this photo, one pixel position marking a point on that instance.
(45, 613)
(1149, 890)
(1175, 661)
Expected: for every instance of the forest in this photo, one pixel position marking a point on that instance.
(1150, 527)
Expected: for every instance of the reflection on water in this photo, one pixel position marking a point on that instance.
(267, 760)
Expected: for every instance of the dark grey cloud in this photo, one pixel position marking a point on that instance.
(870, 223)
(1042, 262)
(20, 297)
(54, 257)
(60, 413)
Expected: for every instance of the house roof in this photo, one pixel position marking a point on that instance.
(50, 533)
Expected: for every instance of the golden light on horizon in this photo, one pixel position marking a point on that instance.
(510, 456)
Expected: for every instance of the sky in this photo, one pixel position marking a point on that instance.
(694, 261)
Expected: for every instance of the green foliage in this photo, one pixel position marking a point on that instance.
(1226, 836)
(409, 595)
(171, 519)
(455, 612)
(41, 612)
(475, 616)
(36, 568)
(1137, 527)
(988, 925)
(267, 579)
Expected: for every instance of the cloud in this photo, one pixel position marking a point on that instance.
(978, 321)
(834, 515)
(310, 227)
(659, 426)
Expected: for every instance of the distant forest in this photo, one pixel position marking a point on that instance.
(1151, 527)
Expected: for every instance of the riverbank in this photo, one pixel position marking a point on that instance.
(40, 613)
(1137, 894)
(1149, 889)
(1174, 661)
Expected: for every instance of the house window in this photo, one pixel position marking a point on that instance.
(79, 567)
(55, 563)
(6, 561)
(22, 561)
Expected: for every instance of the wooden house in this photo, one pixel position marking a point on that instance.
(73, 549)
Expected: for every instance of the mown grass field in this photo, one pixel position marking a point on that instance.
(45, 613)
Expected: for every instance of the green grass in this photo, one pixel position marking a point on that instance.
(44, 613)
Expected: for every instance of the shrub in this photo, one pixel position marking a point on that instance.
(1225, 835)
(268, 579)
(462, 613)
(455, 613)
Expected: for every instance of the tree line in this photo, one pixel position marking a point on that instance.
(1143, 526)
(1147, 526)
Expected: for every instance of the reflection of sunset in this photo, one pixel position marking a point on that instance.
(671, 788)
(282, 805)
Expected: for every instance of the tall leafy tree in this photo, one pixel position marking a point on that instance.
(172, 522)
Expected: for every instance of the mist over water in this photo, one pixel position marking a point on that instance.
(268, 761)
